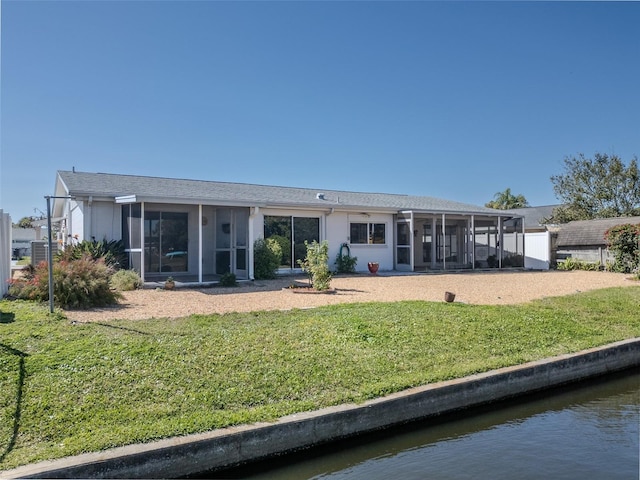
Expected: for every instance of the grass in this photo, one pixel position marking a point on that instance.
(70, 388)
(24, 261)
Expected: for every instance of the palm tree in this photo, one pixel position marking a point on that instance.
(506, 201)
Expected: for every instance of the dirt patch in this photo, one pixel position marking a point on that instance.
(482, 288)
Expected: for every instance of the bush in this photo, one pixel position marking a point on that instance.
(111, 251)
(577, 264)
(228, 280)
(514, 260)
(81, 283)
(285, 248)
(267, 255)
(316, 265)
(125, 280)
(345, 263)
(624, 242)
(30, 285)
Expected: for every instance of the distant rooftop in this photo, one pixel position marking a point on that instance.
(590, 232)
(534, 216)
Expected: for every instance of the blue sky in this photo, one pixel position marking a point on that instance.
(457, 100)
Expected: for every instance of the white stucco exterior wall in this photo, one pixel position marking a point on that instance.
(76, 221)
(334, 227)
(382, 254)
(105, 221)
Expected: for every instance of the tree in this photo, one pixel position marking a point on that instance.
(600, 188)
(25, 222)
(506, 201)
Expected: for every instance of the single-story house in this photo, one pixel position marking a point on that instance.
(198, 230)
(584, 239)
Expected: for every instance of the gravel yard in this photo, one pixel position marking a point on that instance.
(486, 288)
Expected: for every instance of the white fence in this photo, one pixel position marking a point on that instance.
(537, 250)
(5, 252)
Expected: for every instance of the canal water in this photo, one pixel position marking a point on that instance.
(588, 431)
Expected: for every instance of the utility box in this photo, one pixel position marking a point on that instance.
(39, 251)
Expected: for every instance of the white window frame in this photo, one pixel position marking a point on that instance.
(370, 233)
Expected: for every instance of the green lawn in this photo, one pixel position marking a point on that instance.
(71, 388)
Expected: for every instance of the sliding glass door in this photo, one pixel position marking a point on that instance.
(291, 233)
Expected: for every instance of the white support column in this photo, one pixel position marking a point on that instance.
(142, 247)
(253, 212)
(5, 251)
(473, 242)
(467, 244)
(200, 243)
(524, 241)
(412, 242)
(69, 236)
(444, 243)
(500, 243)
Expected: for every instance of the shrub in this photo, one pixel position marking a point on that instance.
(125, 280)
(285, 248)
(81, 283)
(345, 263)
(111, 251)
(577, 264)
(267, 255)
(228, 280)
(514, 260)
(32, 285)
(624, 242)
(316, 265)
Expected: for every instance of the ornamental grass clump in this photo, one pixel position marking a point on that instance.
(125, 280)
(79, 283)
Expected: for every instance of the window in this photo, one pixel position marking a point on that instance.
(368, 233)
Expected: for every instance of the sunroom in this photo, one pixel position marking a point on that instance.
(427, 241)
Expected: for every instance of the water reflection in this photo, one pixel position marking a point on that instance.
(576, 433)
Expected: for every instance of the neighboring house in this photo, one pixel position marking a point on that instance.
(534, 217)
(199, 230)
(584, 239)
(21, 241)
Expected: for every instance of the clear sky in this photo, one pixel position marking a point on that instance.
(457, 100)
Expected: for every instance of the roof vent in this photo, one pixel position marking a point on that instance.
(320, 196)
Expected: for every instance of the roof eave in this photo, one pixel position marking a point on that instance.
(458, 212)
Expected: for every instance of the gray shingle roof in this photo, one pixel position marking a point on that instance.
(242, 194)
(533, 216)
(585, 233)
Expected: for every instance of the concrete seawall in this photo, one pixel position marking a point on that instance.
(191, 454)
